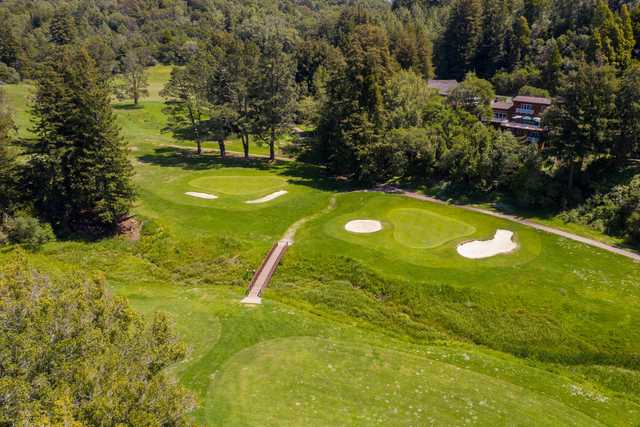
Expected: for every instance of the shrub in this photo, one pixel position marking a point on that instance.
(25, 230)
(8, 75)
(614, 212)
(633, 226)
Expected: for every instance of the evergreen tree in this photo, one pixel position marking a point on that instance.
(81, 174)
(274, 92)
(585, 122)
(552, 68)
(612, 36)
(460, 39)
(628, 103)
(8, 170)
(353, 119)
(63, 27)
(491, 50)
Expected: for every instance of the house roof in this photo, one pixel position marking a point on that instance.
(444, 87)
(502, 105)
(532, 100)
(523, 126)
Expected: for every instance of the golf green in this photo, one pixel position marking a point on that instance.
(422, 229)
(239, 185)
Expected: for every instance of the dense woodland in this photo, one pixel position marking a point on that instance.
(354, 72)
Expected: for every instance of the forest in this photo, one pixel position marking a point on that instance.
(357, 73)
(349, 79)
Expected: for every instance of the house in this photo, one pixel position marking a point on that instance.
(522, 116)
(444, 87)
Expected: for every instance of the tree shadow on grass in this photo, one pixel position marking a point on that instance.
(297, 173)
(128, 106)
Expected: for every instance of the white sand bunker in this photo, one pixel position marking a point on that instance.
(201, 195)
(268, 198)
(502, 243)
(363, 226)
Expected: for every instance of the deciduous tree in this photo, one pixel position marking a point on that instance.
(136, 83)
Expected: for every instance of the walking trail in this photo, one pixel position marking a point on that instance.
(263, 275)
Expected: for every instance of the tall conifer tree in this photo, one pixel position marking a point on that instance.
(81, 174)
(459, 42)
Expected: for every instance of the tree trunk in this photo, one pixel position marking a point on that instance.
(245, 145)
(272, 145)
(199, 146)
(223, 148)
(135, 98)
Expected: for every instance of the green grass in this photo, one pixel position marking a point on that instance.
(239, 185)
(392, 328)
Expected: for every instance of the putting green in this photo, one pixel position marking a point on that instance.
(326, 382)
(414, 232)
(421, 229)
(239, 185)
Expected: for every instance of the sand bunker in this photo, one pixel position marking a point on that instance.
(502, 243)
(363, 226)
(268, 198)
(201, 195)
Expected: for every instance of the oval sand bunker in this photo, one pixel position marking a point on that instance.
(502, 243)
(363, 226)
(201, 195)
(268, 198)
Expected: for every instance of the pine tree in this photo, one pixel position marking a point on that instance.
(459, 42)
(80, 171)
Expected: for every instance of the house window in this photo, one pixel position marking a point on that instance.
(499, 115)
(525, 109)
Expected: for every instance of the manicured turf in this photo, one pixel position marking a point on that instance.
(391, 328)
(367, 385)
(239, 185)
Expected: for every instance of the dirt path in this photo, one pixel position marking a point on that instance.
(291, 231)
(587, 241)
(263, 275)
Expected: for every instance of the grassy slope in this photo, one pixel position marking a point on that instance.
(315, 352)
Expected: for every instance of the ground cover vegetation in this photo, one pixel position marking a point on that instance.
(343, 85)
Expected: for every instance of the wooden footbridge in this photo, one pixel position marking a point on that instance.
(263, 275)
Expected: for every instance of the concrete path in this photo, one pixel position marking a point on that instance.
(263, 275)
(567, 235)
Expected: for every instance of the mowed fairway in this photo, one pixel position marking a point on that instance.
(390, 328)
